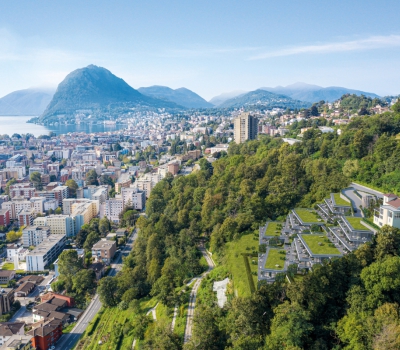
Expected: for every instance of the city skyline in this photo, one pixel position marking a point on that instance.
(210, 48)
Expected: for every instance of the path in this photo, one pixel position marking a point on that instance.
(193, 295)
(174, 317)
(153, 312)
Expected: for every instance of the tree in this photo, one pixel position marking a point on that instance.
(69, 264)
(72, 187)
(58, 211)
(91, 239)
(13, 236)
(91, 178)
(84, 281)
(104, 225)
(36, 179)
(108, 291)
(8, 184)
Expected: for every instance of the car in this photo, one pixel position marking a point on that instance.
(52, 347)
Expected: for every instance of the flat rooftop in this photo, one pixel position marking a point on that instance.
(46, 245)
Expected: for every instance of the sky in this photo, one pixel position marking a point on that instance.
(209, 47)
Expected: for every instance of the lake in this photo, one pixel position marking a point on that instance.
(19, 125)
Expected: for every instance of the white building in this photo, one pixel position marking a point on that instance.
(134, 196)
(45, 253)
(389, 211)
(34, 235)
(59, 224)
(113, 207)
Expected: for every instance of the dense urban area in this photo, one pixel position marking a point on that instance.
(242, 228)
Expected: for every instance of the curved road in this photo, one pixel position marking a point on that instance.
(68, 341)
(193, 295)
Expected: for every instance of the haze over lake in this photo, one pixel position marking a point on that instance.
(18, 124)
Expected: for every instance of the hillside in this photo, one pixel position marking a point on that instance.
(97, 89)
(181, 96)
(315, 93)
(218, 100)
(25, 102)
(262, 98)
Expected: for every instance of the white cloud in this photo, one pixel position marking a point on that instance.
(373, 42)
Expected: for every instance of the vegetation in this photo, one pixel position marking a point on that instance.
(275, 259)
(307, 216)
(339, 200)
(347, 303)
(320, 244)
(356, 223)
(8, 266)
(273, 229)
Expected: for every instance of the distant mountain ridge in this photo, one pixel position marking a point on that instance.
(262, 98)
(181, 96)
(26, 102)
(97, 89)
(315, 93)
(218, 100)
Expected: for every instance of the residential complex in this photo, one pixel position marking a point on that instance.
(246, 127)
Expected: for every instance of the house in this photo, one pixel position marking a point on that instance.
(103, 251)
(6, 276)
(45, 333)
(8, 329)
(389, 211)
(36, 279)
(18, 342)
(24, 289)
(49, 297)
(99, 269)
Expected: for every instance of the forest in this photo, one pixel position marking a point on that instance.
(348, 303)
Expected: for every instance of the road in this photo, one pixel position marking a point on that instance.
(355, 200)
(67, 341)
(366, 189)
(193, 295)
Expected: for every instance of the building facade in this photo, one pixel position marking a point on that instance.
(246, 127)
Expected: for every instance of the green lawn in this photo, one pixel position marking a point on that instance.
(339, 200)
(233, 260)
(307, 216)
(272, 229)
(356, 223)
(275, 258)
(313, 243)
(8, 266)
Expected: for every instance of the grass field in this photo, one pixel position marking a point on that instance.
(8, 266)
(272, 229)
(275, 258)
(234, 263)
(313, 243)
(339, 200)
(307, 216)
(356, 223)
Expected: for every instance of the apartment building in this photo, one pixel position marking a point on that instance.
(25, 217)
(104, 250)
(112, 208)
(45, 253)
(389, 211)
(134, 196)
(4, 217)
(34, 235)
(24, 190)
(246, 127)
(59, 224)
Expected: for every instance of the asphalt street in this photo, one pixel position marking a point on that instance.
(67, 341)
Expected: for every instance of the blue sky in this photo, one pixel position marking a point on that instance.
(209, 47)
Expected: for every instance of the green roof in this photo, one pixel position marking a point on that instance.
(356, 223)
(272, 229)
(319, 244)
(307, 216)
(274, 259)
(340, 201)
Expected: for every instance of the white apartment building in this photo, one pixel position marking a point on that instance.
(45, 253)
(389, 211)
(20, 171)
(133, 195)
(37, 204)
(34, 235)
(113, 207)
(59, 224)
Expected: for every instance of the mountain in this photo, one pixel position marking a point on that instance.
(98, 90)
(25, 102)
(315, 93)
(263, 98)
(182, 96)
(218, 100)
